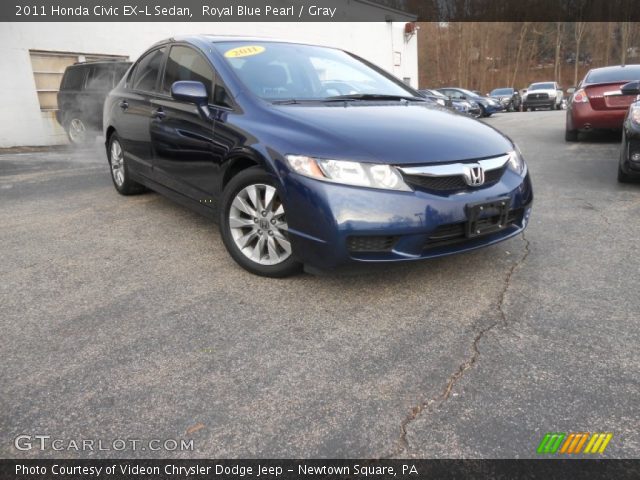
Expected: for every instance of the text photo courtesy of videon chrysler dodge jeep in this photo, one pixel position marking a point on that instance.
(349, 239)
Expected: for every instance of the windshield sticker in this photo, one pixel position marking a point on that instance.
(246, 51)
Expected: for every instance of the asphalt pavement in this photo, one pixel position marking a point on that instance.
(125, 318)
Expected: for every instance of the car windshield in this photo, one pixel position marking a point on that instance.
(434, 93)
(467, 93)
(542, 86)
(620, 74)
(285, 71)
(502, 91)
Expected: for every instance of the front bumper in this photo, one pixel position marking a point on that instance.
(493, 108)
(539, 102)
(630, 149)
(324, 218)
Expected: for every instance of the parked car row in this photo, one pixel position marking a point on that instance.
(537, 95)
(467, 107)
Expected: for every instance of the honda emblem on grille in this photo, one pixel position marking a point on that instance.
(474, 175)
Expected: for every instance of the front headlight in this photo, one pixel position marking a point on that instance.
(348, 173)
(516, 162)
(634, 115)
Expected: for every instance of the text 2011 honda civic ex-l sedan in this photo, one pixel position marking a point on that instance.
(262, 136)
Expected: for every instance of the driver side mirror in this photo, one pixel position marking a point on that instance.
(462, 97)
(571, 90)
(631, 88)
(189, 91)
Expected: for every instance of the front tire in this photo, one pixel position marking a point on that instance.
(253, 225)
(120, 174)
(623, 177)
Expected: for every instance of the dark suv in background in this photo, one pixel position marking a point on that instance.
(83, 90)
(509, 98)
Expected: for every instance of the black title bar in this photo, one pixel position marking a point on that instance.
(199, 469)
(319, 11)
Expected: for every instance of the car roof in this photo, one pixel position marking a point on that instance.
(210, 38)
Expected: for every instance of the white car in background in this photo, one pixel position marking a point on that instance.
(543, 95)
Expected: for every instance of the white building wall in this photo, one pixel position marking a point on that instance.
(22, 122)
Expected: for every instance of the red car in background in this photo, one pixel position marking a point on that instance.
(598, 102)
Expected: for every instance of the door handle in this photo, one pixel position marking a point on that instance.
(158, 113)
(124, 104)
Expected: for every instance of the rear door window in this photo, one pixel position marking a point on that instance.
(147, 70)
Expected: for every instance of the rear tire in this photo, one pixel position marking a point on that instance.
(570, 135)
(120, 174)
(253, 225)
(77, 131)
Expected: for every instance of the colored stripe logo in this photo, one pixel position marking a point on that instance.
(573, 443)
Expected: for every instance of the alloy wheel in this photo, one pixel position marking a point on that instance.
(117, 163)
(77, 131)
(258, 225)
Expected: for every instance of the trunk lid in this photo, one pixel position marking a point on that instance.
(607, 96)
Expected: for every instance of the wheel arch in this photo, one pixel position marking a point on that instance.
(239, 161)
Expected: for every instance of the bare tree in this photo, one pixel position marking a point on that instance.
(625, 37)
(557, 70)
(523, 34)
(607, 49)
(578, 33)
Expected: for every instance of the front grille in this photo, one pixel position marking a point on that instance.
(538, 96)
(451, 183)
(454, 233)
(371, 243)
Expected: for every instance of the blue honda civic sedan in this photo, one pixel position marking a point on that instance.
(310, 156)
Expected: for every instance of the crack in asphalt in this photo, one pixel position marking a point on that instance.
(432, 404)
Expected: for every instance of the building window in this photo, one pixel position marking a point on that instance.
(48, 68)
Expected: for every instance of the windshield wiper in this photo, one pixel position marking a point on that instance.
(293, 101)
(373, 96)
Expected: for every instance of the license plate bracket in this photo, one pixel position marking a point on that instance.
(487, 217)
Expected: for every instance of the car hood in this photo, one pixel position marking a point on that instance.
(546, 90)
(397, 134)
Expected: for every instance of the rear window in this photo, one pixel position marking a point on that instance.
(622, 74)
(73, 78)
